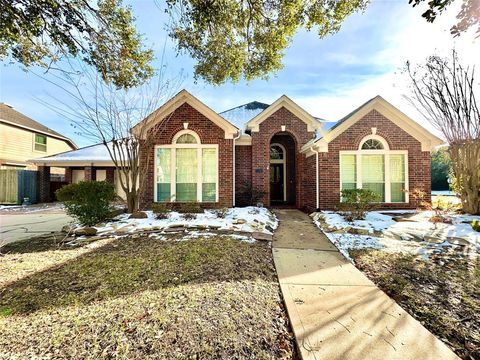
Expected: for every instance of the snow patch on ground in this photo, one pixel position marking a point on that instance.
(243, 220)
(416, 236)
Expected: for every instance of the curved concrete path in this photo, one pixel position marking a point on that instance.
(336, 312)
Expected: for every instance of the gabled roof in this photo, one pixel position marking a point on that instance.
(175, 102)
(9, 115)
(426, 138)
(286, 102)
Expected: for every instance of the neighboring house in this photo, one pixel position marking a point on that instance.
(22, 138)
(192, 153)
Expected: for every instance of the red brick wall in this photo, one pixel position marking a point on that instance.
(44, 184)
(208, 132)
(398, 139)
(243, 172)
(261, 150)
(309, 184)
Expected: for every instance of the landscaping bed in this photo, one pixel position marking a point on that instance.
(442, 293)
(431, 269)
(197, 297)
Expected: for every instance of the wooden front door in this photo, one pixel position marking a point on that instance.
(277, 185)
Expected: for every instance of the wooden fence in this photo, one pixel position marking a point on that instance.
(15, 185)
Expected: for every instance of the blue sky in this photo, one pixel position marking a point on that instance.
(328, 77)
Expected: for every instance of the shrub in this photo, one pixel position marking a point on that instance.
(356, 202)
(160, 210)
(250, 195)
(476, 225)
(189, 209)
(87, 201)
(221, 213)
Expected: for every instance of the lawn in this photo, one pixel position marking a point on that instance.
(443, 293)
(214, 297)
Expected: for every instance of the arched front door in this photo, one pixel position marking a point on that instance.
(278, 173)
(282, 189)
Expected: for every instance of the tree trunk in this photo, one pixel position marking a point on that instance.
(132, 203)
(466, 169)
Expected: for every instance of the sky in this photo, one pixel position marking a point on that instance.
(328, 77)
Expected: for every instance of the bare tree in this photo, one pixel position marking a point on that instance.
(104, 113)
(444, 91)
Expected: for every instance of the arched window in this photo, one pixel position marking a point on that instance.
(186, 170)
(375, 167)
(277, 152)
(186, 139)
(372, 144)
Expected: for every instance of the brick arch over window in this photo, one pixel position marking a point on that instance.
(261, 140)
(209, 133)
(382, 136)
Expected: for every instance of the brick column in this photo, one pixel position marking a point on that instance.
(68, 175)
(110, 175)
(89, 173)
(44, 183)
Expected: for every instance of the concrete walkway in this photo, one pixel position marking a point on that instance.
(336, 312)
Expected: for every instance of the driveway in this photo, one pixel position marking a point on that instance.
(19, 223)
(336, 312)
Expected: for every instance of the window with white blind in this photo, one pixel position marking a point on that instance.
(186, 170)
(375, 167)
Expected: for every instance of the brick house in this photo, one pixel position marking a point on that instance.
(192, 153)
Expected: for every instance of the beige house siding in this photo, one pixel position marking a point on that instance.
(17, 146)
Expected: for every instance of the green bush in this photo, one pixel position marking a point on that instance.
(88, 201)
(356, 202)
(250, 195)
(476, 225)
(190, 208)
(161, 210)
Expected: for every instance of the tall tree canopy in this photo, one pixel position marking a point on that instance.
(468, 16)
(42, 32)
(231, 39)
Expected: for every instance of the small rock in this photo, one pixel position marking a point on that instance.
(458, 241)
(262, 236)
(172, 230)
(358, 231)
(86, 231)
(176, 225)
(138, 215)
(214, 227)
(239, 221)
(68, 229)
(433, 239)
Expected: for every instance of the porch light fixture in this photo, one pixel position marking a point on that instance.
(284, 127)
(185, 125)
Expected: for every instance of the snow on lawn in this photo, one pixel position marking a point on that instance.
(248, 219)
(416, 235)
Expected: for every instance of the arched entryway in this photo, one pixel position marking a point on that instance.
(282, 170)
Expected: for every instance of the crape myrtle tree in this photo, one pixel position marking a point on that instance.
(104, 113)
(444, 91)
(101, 33)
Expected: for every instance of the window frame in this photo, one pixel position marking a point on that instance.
(35, 142)
(173, 168)
(386, 152)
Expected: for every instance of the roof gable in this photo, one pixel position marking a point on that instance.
(287, 103)
(426, 138)
(9, 115)
(178, 100)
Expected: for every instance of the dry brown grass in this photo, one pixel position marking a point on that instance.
(146, 298)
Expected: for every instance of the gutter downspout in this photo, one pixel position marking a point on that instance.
(234, 172)
(317, 180)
